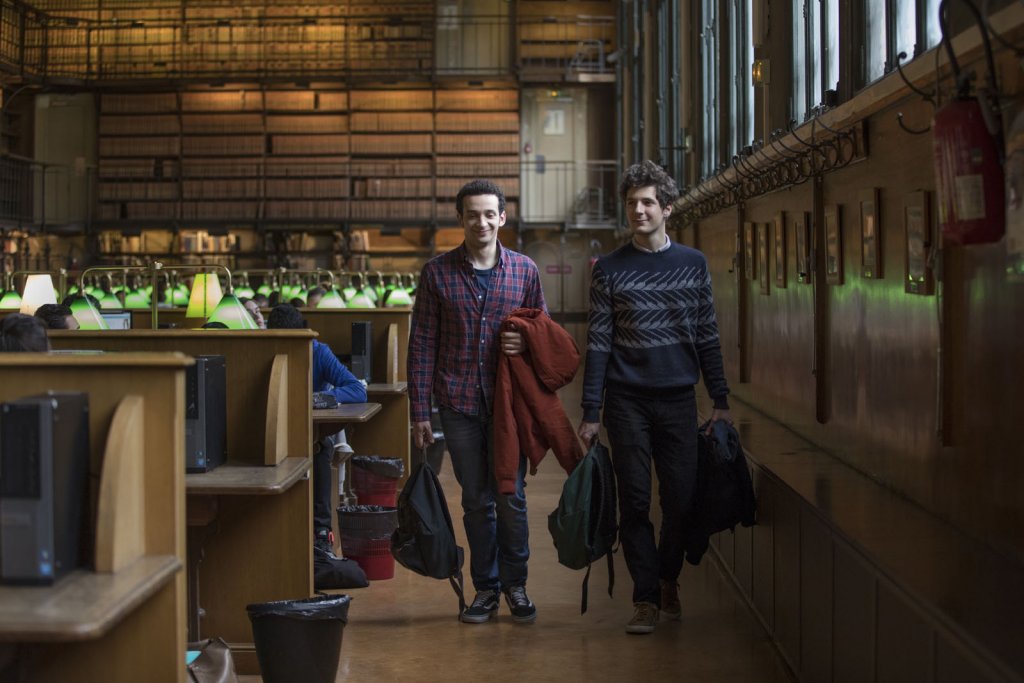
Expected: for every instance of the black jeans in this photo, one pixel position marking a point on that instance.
(323, 449)
(642, 430)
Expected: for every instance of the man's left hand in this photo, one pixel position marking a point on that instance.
(716, 415)
(512, 343)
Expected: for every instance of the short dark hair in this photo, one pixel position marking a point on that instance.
(54, 316)
(475, 188)
(286, 317)
(649, 174)
(19, 332)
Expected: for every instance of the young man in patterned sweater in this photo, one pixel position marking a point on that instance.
(652, 335)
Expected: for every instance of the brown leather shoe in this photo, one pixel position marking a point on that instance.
(670, 607)
(645, 616)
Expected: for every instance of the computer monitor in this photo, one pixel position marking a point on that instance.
(118, 320)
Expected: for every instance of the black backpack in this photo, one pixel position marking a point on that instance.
(424, 541)
(585, 525)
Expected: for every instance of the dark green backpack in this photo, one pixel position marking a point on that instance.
(585, 525)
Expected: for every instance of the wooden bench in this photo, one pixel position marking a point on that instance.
(125, 621)
(250, 520)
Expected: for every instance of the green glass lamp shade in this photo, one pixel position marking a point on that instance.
(148, 289)
(332, 299)
(232, 313)
(244, 292)
(264, 289)
(72, 290)
(91, 290)
(10, 299)
(179, 296)
(205, 296)
(360, 300)
(110, 300)
(86, 314)
(136, 299)
(398, 297)
(370, 293)
(348, 292)
(116, 288)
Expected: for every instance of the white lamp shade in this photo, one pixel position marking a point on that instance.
(206, 294)
(38, 291)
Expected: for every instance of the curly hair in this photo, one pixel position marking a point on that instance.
(285, 317)
(19, 332)
(649, 174)
(475, 188)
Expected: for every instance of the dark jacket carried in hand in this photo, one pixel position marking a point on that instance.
(528, 415)
(724, 495)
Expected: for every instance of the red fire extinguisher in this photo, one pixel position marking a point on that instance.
(969, 153)
(969, 170)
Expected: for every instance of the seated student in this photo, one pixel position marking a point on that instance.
(57, 317)
(331, 376)
(19, 332)
(313, 297)
(255, 313)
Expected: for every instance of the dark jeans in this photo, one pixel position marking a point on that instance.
(641, 430)
(323, 449)
(495, 524)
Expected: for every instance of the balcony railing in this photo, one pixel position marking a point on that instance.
(331, 45)
(35, 196)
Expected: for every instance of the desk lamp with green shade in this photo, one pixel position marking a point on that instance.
(332, 299)
(85, 311)
(207, 303)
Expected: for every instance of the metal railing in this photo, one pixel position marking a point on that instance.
(36, 196)
(332, 45)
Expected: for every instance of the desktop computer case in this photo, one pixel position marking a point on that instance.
(45, 523)
(205, 414)
(362, 343)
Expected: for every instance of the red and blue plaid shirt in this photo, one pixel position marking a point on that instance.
(453, 340)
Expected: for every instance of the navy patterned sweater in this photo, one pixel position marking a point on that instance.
(652, 327)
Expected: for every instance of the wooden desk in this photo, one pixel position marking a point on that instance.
(250, 521)
(84, 605)
(124, 622)
(327, 421)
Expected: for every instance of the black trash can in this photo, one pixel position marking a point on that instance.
(299, 640)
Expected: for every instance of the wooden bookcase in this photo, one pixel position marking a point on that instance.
(304, 158)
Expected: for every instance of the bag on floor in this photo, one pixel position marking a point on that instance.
(585, 525)
(337, 572)
(424, 541)
(214, 663)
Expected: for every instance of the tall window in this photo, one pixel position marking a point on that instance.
(709, 86)
(799, 60)
(895, 26)
(741, 100)
(815, 53)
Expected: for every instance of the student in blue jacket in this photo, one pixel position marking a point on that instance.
(330, 376)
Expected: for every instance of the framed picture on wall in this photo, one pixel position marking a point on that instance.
(833, 246)
(802, 235)
(749, 254)
(870, 234)
(780, 249)
(762, 255)
(917, 219)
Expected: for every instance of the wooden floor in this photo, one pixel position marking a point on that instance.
(406, 628)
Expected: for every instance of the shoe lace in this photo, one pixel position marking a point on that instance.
(517, 596)
(644, 612)
(483, 598)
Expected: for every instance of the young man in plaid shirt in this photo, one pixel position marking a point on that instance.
(454, 342)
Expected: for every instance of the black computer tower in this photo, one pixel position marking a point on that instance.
(205, 414)
(362, 344)
(44, 483)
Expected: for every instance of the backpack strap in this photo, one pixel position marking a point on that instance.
(456, 581)
(583, 599)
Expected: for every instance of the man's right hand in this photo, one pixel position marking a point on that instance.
(422, 433)
(587, 432)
